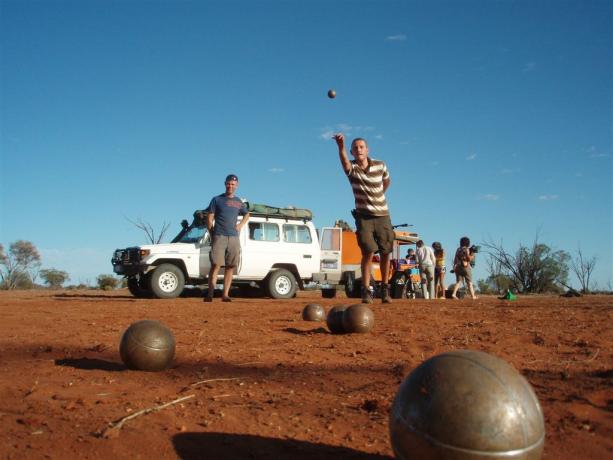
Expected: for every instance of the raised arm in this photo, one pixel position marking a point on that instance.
(342, 153)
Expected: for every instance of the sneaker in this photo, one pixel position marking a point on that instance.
(226, 299)
(385, 294)
(366, 296)
(207, 299)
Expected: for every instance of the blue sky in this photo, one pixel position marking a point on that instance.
(494, 117)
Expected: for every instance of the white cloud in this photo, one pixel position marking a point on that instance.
(599, 155)
(509, 170)
(276, 170)
(489, 197)
(379, 136)
(396, 38)
(548, 197)
(348, 130)
(435, 163)
(471, 157)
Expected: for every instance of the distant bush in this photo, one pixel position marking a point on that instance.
(19, 266)
(54, 278)
(107, 282)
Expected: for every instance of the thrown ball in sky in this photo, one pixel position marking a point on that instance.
(331, 93)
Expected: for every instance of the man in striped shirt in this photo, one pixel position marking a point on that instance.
(369, 180)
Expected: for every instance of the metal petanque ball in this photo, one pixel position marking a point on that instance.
(313, 312)
(466, 405)
(358, 318)
(334, 320)
(147, 345)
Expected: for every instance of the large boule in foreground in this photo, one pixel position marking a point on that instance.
(334, 320)
(466, 405)
(147, 345)
(358, 318)
(313, 312)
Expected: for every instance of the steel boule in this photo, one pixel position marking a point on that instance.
(313, 312)
(466, 405)
(334, 320)
(147, 345)
(358, 318)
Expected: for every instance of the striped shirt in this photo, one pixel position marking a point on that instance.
(368, 187)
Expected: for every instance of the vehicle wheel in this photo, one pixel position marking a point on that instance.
(352, 287)
(328, 293)
(138, 287)
(281, 284)
(167, 281)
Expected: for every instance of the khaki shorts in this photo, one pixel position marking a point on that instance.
(465, 273)
(374, 233)
(225, 251)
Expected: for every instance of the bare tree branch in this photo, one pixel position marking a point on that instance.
(583, 269)
(152, 236)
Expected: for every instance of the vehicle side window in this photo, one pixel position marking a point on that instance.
(293, 233)
(263, 231)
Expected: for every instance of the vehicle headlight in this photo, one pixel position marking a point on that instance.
(144, 253)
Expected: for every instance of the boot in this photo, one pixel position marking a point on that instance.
(366, 295)
(385, 293)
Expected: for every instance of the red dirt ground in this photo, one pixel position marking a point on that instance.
(267, 384)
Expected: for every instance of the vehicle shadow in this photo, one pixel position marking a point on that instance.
(224, 446)
(90, 364)
(92, 296)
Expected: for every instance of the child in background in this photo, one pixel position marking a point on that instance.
(439, 270)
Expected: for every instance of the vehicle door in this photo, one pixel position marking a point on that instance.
(331, 250)
(300, 247)
(205, 261)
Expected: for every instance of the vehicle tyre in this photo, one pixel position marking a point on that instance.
(138, 287)
(328, 293)
(281, 284)
(167, 281)
(352, 286)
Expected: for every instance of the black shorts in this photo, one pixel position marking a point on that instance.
(375, 233)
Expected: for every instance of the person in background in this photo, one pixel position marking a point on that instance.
(411, 258)
(426, 262)
(439, 270)
(224, 230)
(461, 266)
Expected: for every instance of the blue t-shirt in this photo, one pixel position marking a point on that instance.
(226, 212)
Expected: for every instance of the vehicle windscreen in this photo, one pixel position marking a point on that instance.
(193, 235)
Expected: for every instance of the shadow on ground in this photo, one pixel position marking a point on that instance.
(222, 446)
(90, 364)
(319, 330)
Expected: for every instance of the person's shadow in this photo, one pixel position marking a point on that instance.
(223, 446)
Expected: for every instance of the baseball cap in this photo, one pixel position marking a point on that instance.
(230, 177)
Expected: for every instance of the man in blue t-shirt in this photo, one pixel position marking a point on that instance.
(224, 230)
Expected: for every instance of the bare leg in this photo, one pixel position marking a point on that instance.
(213, 279)
(385, 267)
(471, 289)
(227, 281)
(441, 282)
(456, 286)
(366, 266)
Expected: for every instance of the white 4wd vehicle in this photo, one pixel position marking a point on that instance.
(279, 253)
